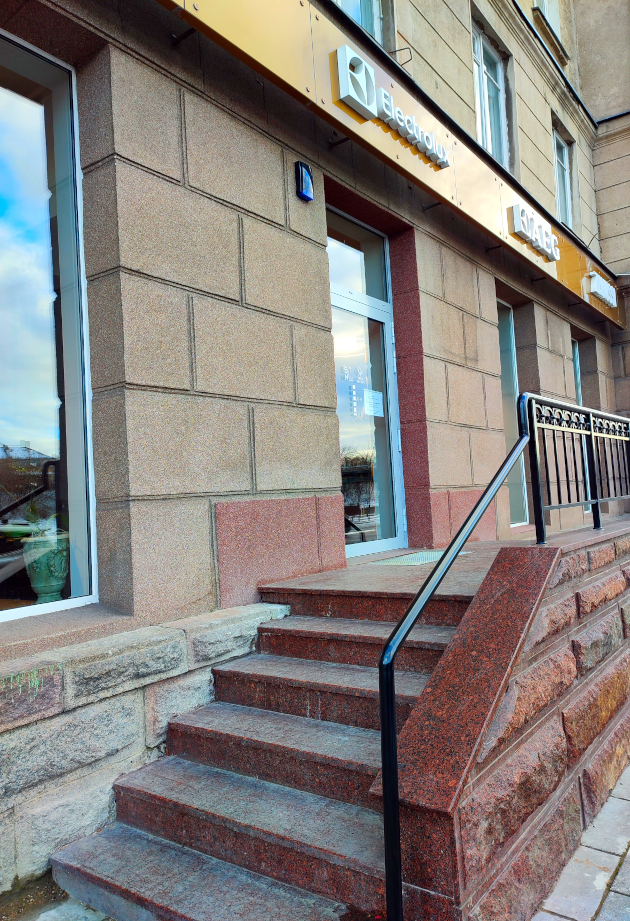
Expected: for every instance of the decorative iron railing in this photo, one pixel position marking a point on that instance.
(578, 457)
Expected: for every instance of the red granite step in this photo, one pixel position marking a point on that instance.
(345, 694)
(131, 876)
(363, 604)
(325, 758)
(331, 848)
(352, 642)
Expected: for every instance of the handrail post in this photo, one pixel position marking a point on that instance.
(592, 474)
(391, 807)
(534, 467)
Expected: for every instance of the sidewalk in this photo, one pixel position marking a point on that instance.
(596, 882)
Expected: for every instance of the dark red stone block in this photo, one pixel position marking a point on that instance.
(530, 876)
(570, 567)
(551, 620)
(605, 767)
(587, 716)
(590, 647)
(601, 556)
(594, 596)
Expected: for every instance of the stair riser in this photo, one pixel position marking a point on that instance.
(440, 612)
(274, 763)
(276, 858)
(346, 652)
(334, 706)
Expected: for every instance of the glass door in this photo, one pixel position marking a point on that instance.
(367, 400)
(519, 513)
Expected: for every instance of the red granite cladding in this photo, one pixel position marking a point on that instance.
(570, 567)
(594, 596)
(352, 642)
(605, 767)
(313, 755)
(591, 712)
(551, 621)
(528, 694)
(601, 556)
(625, 616)
(622, 546)
(531, 874)
(594, 644)
(328, 847)
(422, 905)
(345, 694)
(501, 803)
(364, 605)
(30, 689)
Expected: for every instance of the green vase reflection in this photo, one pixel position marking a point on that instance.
(47, 558)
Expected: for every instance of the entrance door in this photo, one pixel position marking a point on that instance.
(367, 398)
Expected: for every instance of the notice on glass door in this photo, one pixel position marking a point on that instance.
(373, 402)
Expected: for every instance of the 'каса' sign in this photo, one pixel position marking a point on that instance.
(357, 88)
(530, 226)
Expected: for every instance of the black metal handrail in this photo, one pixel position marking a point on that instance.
(45, 486)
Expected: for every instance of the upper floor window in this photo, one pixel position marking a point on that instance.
(551, 11)
(490, 98)
(45, 544)
(563, 179)
(368, 13)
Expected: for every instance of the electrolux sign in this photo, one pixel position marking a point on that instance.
(357, 88)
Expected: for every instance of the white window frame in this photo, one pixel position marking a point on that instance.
(34, 610)
(563, 181)
(481, 43)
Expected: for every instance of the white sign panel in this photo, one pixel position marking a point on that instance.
(357, 88)
(529, 225)
(600, 288)
(373, 403)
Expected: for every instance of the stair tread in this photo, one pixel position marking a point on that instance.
(314, 674)
(357, 748)
(337, 831)
(177, 882)
(424, 635)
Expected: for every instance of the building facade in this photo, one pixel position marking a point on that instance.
(273, 277)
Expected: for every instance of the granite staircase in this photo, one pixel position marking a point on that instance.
(263, 808)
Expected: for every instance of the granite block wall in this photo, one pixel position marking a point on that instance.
(75, 718)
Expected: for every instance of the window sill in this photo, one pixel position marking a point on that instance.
(549, 36)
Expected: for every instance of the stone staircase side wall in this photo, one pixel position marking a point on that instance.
(558, 742)
(74, 719)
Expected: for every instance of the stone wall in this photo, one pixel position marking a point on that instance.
(73, 719)
(524, 730)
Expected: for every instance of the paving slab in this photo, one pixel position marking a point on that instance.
(622, 879)
(616, 908)
(610, 830)
(622, 790)
(70, 910)
(582, 884)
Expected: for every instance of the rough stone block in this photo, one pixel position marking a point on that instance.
(625, 617)
(551, 620)
(622, 546)
(72, 811)
(7, 850)
(172, 697)
(595, 644)
(530, 693)
(587, 716)
(594, 596)
(108, 666)
(30, 689)
(500, 805)
(225, 634)
(601, 556)
(530, 875)
(570, 567)
(43, 751)
(296, 448)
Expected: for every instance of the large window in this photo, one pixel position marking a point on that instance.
(368, 13)
(44, 535)
(490, 98)
(563, 179)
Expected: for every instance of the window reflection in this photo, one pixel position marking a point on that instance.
(356, 257)
(43, 503)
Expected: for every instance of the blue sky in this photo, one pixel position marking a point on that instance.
(28, 393)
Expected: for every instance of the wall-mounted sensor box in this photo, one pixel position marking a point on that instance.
(304, 188)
